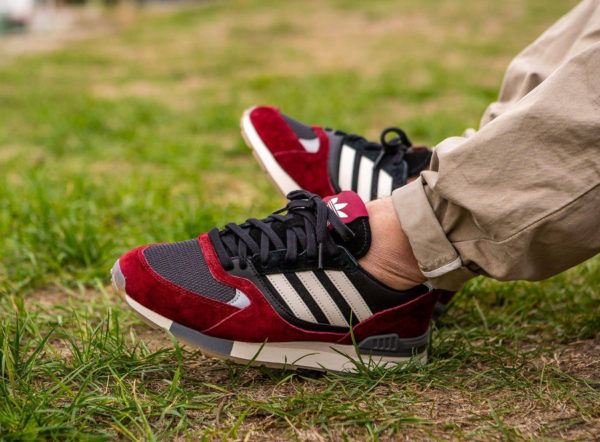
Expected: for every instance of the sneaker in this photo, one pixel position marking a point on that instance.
(326, 161)
(285, 291)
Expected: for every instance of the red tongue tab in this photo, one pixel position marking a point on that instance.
(347, 205)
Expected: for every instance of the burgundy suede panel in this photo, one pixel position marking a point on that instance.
(274, 130)
(407, 321)
(347, 205)
(259, 320)
(445, 296)
(167, 299)
(309, 170)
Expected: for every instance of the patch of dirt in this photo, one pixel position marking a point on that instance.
(178, 96)
(51, 298)
(580, 359)
(53, 301)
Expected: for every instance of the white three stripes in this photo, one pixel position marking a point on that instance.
(350, 294)
(291, 297)
(384, 184)
(321, 297)
(365, 178)
(346, 167)
(365, 175)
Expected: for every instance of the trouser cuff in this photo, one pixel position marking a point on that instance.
(438, 259)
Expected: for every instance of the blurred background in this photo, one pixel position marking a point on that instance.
(119, 126)
(36, 15)
(29, 25)
(119, 120)
(18, 13)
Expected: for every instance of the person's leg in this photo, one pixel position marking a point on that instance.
(390, 258)
(520, 198)
(567, 37)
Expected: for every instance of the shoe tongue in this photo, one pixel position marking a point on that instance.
(351, 210)
(347, 205)
(417, 158)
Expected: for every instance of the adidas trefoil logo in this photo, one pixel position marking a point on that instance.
(337, 207)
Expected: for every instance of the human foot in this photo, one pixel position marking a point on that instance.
(390, 258)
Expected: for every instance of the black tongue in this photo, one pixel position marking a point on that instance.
(351, 209)
(417, 158)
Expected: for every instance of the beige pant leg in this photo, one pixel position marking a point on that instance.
(568, 36)
(520, 198)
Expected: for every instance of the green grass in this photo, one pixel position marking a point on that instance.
(132, 138)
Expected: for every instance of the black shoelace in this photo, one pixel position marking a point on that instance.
(307, 224)
(396, 146)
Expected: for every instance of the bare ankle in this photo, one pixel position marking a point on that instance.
(390, 258)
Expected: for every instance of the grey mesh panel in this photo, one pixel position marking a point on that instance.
(301, 129)
(183, 264)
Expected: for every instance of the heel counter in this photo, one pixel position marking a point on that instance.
(410, 320)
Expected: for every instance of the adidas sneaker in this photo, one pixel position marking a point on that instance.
(326, 161)
(283, 291)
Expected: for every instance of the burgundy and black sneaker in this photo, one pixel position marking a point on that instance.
(326, 161)
(283, 291)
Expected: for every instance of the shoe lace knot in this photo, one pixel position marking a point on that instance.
(397, 145)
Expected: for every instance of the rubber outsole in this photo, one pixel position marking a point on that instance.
(322, 356)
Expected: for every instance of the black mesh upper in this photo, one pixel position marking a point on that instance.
(182, 263)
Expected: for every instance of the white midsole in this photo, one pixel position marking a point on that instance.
(306, 354)
(316, 355)
(285, 182)
(150, 315)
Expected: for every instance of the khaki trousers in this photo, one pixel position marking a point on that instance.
(520, 198)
